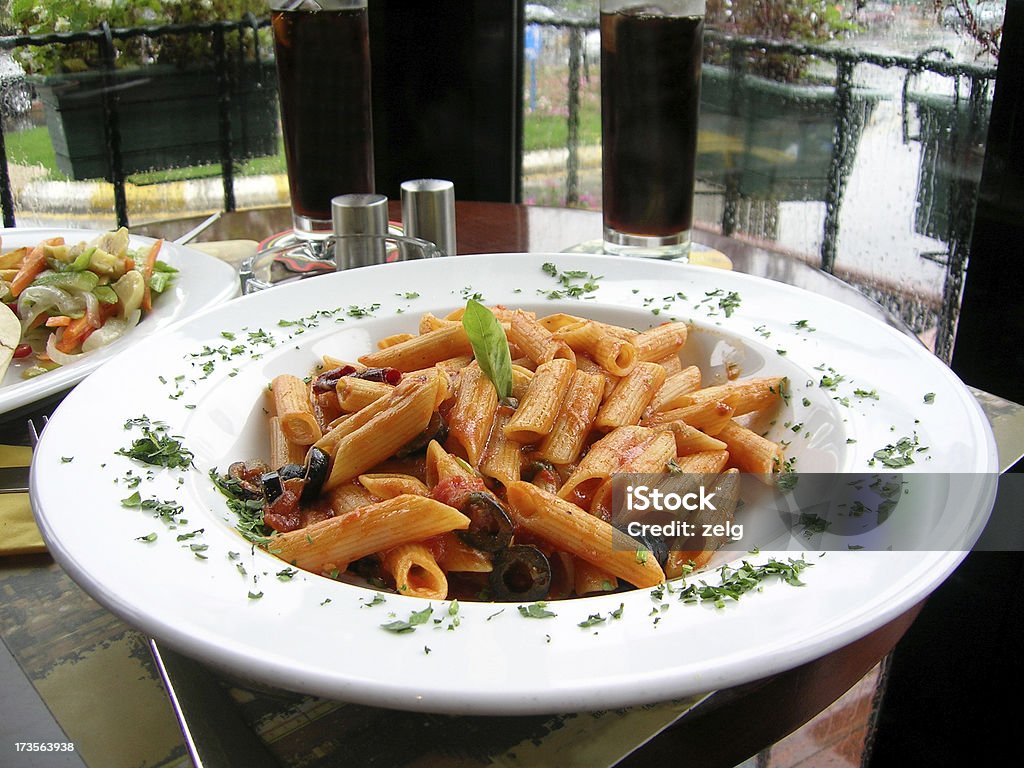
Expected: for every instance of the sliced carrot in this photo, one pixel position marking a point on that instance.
(32, 265)
(57, 321)
(147, 273)
(79, 329)
(75, 333)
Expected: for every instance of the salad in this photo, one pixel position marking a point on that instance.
(62, 301)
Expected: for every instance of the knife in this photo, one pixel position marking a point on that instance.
(13, 479)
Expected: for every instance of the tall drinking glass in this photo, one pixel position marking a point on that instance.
(323, 71)
(650, 96)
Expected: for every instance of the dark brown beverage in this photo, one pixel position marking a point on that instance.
(323, 70)
(650, 91)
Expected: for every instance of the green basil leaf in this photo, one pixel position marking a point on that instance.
(489, 345)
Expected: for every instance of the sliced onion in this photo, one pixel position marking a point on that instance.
(38, 299)
(56, 355)
(92, 308)
(113, 329)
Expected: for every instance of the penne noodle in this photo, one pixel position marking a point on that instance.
(441, 466)
(561, 320)
(672, 364)
(330, 363)
(355, 394)
(708, 417)
(404, 414)
(521, 378)
(698, 550)
(703, 463)
(293, 408)
(390, 484)
(750, 452)
(562, 445)
(415, 572)
(455, 556)
(282, 450)
(631, 396)
(573, 530)
(661, 341)
(672, 394)
(535, 341)
(616, 355)
(334, 543)
(539, 405)
(348, 496)
(470, 419)
(619, 448)
(396, 338)
(423, 351)
(692, 440)
(502, 455)
(742, 396)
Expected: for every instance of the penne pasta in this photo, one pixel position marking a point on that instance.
(571, 529)
(562, 445)
(661, 341)
(391, 484)
(282, 450)
(539, 405)
(354, 394)
(613, 353)
(631, 396)
(470, 419)
(415, 572)
(334, 543)
(502, 456)
(423, 351)
(672, 394)
(425, 470)
(293, 408)
(404, 415)
(750, 452)
(535, 341)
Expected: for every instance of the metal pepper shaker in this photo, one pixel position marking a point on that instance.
(360, 223)
(428, 212)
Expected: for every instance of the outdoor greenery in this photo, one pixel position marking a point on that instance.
(47, 16)
(804, 21)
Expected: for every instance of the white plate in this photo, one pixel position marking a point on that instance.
(202, 281)
(205, 379)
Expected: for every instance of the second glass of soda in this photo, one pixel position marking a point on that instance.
(323, 69)
(650, 97)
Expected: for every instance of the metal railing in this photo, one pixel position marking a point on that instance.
(104, 38)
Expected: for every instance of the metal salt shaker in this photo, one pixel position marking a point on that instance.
(428, 212)
(354, 215)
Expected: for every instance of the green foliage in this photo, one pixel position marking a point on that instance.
(35, 17)
(797, 21)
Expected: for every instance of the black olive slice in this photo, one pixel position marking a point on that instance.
(490, 527)
(521, 572)
(314, 475)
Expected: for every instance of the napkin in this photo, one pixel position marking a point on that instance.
(18, 532)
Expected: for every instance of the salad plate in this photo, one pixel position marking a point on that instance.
(159, 546)
(201, 281)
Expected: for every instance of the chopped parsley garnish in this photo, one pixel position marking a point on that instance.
(898, 454)
(156, 447)
(736, 582)
(416, 618)
(929, 398)
(576, 284)
(536, 611)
